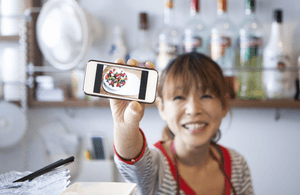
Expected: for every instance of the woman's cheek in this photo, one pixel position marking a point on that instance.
(215, 111)
(171, 107)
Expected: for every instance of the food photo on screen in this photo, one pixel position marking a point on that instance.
(124, 82)
(115, 79)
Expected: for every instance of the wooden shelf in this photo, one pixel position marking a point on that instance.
(291, 104)
(235, 103)
(9, 38)
(73, 103)
(69, 103)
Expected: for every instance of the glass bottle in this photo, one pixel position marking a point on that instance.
(250, 55)
(277, 77)
(118, 49)
(169, 37)
(223, 40)
(143, 52)
(297, 95)
(196, 32)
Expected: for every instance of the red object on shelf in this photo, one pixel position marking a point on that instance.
(232, 86)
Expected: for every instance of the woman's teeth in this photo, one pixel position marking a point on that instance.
(195, 126)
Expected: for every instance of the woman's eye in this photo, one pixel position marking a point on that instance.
(206, 96)
(178, 98)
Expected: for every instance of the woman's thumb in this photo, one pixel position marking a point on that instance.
(135, 111)
(135, 106)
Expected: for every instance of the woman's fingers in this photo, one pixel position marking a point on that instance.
(120, 61)
(132, 62)
(149, 65)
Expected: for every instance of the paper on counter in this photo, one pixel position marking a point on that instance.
(94, 188)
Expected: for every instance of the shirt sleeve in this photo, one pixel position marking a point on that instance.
(144, 171)
(246, 182)
(241, 178)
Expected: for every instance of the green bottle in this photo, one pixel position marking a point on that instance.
(250, 55)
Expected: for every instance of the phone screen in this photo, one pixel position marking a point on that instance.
(98, 148)
(120, 81)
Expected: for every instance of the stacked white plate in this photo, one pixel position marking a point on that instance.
(13, 124)
(53, 183)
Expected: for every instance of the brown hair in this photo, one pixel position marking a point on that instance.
(194, 68)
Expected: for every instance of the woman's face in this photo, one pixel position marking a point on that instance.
(194, 118)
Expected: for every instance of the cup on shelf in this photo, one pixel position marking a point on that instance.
(77, 84)
(10, 70)
(11, 13)
(46, 91)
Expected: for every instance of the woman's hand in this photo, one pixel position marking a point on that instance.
(127, 116)
(126, 112)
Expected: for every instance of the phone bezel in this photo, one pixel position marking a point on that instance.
(89, 81)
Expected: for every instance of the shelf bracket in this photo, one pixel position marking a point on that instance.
(70, 112)
(277, 114)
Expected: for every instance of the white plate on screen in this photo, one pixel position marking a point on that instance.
(132, 86)
(13, 124)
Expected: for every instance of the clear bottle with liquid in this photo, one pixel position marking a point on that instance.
(250, 49)
(277, 75)
(223, 40)
(169, 38)
(143, 52)
(196, 32)
(297, 95)
(118, 49)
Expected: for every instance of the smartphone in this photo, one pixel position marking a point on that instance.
(119, 81)
(96, 143)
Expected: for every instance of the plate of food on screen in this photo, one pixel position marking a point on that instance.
(116, 81)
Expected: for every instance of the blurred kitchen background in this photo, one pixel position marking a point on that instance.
(267, 136)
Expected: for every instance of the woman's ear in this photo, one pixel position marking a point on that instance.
(226, 106)
(160, 105)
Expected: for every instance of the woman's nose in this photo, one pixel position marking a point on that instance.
(193, 106)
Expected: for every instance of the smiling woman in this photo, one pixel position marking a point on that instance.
(192, 100)
(208, 78)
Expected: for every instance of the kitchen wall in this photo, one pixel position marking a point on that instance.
(269, 146)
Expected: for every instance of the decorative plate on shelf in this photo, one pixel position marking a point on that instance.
(13, 124)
